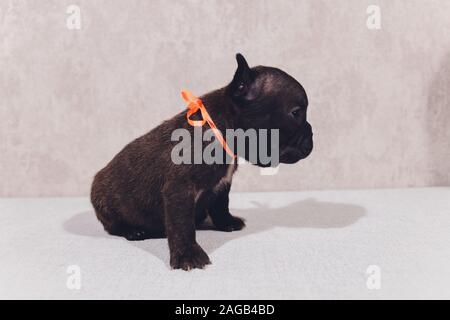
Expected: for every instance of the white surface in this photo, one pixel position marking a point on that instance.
(296, 245)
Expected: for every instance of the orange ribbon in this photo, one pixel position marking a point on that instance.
(195, 104)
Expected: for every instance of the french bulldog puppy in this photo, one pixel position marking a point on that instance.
(142, 194)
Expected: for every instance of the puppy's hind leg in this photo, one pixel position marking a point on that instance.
(116, 227)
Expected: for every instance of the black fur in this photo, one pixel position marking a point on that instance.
(142, 194)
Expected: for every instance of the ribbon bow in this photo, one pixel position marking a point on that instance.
(195, 104)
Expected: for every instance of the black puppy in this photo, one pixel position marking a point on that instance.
(142, 194)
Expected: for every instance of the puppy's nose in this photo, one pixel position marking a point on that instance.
(306, 144)
(307, 147)
(307, 130)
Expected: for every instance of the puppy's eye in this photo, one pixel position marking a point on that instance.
(296, 112)
(241, 86)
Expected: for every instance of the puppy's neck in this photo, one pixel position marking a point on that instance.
(221, 108)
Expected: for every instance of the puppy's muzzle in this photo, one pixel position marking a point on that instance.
(299, 147)
(306, 142)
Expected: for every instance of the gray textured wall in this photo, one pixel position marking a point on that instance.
(71, 99)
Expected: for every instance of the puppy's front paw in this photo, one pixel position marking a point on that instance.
(191, 258)
(230, 223)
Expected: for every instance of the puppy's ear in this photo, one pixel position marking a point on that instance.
(240, 86)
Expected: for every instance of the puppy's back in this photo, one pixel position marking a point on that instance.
(128, 187)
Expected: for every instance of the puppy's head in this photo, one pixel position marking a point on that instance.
(268, 98)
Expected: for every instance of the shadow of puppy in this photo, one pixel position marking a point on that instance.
(307, 213)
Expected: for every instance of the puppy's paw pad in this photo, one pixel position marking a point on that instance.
(192, 258)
